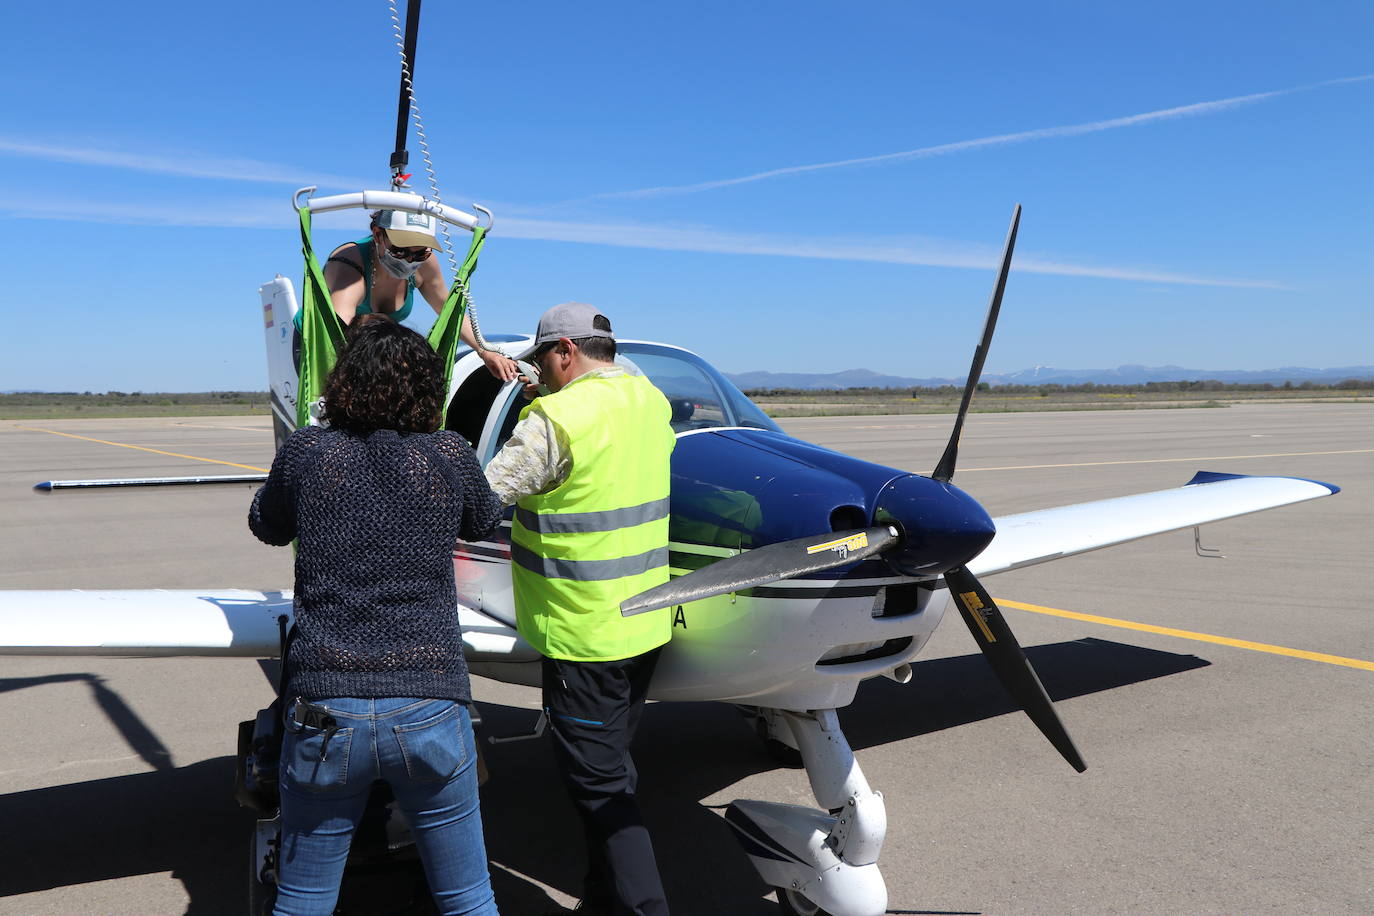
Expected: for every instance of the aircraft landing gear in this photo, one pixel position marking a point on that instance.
(775, 734)
(792, 903)
(263, 852)
(822, 862)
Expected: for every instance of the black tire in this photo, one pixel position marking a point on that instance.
(792, 903)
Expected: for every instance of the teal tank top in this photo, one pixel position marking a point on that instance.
(365, 306)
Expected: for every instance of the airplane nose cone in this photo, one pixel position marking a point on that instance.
(942, 526)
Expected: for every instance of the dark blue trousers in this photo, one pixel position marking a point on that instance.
(594, 709)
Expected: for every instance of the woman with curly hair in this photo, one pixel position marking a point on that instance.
(376, 683)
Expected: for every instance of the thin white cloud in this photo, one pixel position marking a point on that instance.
(916, 252)
(188, 165)
(945, 149)
(238, 213)
(271, 213)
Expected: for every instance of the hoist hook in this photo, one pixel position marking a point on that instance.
(491, 220)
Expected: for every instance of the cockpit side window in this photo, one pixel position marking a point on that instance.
(508, 422)
(696, 400)
(699, 396)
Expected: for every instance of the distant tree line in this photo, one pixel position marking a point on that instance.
(1055, 388)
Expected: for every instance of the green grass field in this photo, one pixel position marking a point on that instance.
(853, 402)
(71, 405)
(847, 403)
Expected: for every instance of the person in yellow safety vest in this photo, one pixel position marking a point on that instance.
(587, 469)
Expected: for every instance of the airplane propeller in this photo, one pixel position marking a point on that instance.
(980, 612)
(816, 553)
(1008, 661)
(944, 470)
(783, 560)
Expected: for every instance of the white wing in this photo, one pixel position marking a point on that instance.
(232, 622)
(1049, 534)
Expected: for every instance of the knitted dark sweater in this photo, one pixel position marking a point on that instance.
(377, 517)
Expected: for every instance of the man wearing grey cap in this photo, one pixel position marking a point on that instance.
(380, 274)
(587, 469)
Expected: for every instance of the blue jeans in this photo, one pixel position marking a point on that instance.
(425, 750)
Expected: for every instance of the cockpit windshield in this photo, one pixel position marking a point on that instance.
(700, 396)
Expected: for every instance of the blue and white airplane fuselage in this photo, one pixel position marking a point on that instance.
(803, 643)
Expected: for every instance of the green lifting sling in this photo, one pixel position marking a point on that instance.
(322, 333)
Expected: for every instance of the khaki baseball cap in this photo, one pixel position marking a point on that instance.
(408, 230)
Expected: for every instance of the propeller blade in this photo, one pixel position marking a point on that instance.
(783, 560)
(1008, 661)
(945, 469)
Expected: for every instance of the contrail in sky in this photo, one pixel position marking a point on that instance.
(945, 149)
(189, 166)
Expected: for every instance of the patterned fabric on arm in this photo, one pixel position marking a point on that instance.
(272, 517)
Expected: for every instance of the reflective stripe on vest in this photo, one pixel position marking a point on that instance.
(589, 570)
(609, 520)
(602, 535)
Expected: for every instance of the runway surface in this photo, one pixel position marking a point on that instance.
(1221, 779)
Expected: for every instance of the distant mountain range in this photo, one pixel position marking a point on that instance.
(1045, 375)
(1040, 375)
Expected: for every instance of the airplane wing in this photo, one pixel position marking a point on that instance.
(189, 622)
(1036, 537)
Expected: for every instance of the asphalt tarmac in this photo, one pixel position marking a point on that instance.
(1223, 778)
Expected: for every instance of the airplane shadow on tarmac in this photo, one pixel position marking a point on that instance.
(184, 820)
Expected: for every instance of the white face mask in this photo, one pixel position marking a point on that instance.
(401, 270)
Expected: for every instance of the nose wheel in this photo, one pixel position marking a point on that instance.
(792, 903)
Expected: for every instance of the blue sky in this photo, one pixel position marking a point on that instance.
(794, 186)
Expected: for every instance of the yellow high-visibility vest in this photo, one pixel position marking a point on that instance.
(602, 535)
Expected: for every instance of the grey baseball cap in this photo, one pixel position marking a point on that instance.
(572, 320)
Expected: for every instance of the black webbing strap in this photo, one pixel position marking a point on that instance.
(400, 157)
(287, 638)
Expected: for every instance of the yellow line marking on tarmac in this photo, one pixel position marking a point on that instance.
(1093, 464)
(155, 451)
(1189, 634)
(244, 429)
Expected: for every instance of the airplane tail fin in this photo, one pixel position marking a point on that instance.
(279, 309)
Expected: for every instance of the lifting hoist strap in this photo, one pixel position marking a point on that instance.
(400, 156)
(322, 333)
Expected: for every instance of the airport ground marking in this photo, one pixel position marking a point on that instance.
(1190, 634)
(245, 429)
(141, 448)
(1093, 464)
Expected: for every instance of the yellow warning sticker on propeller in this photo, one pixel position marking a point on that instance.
(842, 546)
(974, 605)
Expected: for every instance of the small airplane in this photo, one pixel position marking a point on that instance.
(799, 572)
